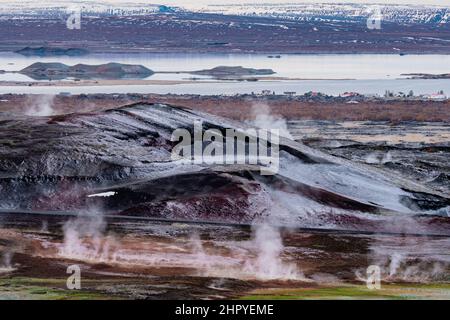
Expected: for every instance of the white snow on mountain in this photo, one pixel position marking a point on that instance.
(338, 12)
(288, 11)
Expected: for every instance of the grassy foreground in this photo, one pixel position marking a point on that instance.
(348, 291)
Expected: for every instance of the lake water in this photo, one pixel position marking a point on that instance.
(367, 73)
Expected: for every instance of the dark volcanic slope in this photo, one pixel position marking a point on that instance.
(119, 162)
(196, 32)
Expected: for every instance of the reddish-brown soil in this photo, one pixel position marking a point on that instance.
(244, 107)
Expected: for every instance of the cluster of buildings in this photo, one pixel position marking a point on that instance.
(438, 96)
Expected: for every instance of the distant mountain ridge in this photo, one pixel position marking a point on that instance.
(297, 12)
(338, 12)
(259, 28)
(32, 8)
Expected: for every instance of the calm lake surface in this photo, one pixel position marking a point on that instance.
(331, 74)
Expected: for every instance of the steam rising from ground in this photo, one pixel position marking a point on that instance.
(262, 257)
(411, 259)
(40, 105)
(264, 119)
(268, 263)
(85, 240)
(6, 263)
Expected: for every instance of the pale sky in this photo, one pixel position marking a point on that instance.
(200, 3)
(224, 2)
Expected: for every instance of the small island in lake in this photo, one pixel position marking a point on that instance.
(52, 52)
(426, 75)
(232, 72)
(111, 71)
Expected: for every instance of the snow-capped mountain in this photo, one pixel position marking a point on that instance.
(338, 12)
(36, 9)
(295, 11)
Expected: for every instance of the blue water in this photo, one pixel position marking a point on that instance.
(367, 73)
